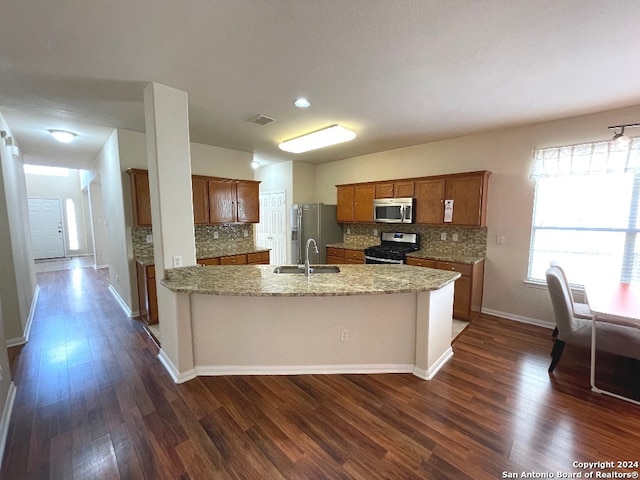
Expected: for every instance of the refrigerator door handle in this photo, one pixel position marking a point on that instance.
(300, 237)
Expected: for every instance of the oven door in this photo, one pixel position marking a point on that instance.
(382, 261)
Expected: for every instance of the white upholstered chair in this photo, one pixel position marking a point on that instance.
(614, 338)
(580, 310)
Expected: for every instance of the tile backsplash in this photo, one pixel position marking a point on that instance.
(242, 236)
(471, 241)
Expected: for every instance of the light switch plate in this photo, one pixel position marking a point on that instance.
(443, 236)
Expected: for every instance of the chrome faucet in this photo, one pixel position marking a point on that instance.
(307, 265)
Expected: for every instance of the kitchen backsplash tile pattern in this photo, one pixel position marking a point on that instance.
(471, 241)
(242, 236)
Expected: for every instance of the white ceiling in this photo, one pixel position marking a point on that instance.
(398, 72)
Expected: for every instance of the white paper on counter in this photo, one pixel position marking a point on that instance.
(448, 210)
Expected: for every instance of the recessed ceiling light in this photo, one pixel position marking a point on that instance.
(318, 139)
(302, 103)
(62, 135)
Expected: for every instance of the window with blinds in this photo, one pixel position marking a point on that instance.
(586, 212)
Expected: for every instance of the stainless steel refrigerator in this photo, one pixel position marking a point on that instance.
(317, 221)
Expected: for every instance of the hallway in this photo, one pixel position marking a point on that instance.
(93, 402)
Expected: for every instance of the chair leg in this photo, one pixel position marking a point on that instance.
(556, 353)
(555, 333)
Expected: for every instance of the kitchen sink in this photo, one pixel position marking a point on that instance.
(314, 269)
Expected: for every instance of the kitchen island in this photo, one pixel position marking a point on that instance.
(364, 319)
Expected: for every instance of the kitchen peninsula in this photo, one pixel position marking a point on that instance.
(365, 319)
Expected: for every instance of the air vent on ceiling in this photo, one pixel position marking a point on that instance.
(261, 119)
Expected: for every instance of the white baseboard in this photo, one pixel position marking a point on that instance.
(429, 374)
(518, 318)
(98, 267)
(5, 420)
(175, 375)
(122, 303)
(14, 342)
(209, 370)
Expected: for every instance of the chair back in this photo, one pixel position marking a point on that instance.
(561, 301)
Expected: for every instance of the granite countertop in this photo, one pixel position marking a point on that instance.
(344, 245)
(260, 281)
(209, 253)
(446, 257)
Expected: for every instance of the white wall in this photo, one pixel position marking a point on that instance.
(508, 153)
(117, 230)
(48, 186)
(98, 224)
(17, 270)
(304, 182)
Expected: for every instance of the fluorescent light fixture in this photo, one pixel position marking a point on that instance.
(318, 139)
(62, 135)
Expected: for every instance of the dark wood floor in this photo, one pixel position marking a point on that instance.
(94, 402)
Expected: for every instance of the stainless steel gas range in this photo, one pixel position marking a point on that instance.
(393, 248)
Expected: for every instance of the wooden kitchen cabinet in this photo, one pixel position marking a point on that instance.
(258, 258)
(335, 255)
(469, 194)
(467, 294)
(430, 201)
(353, 256)
(355, 203)
(147, 293)
(395, 189)
(200, 189)
(254, 258)
(140, 197)
(234, 201)
(421, 262)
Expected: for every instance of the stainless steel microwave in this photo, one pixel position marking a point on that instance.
(393, 210)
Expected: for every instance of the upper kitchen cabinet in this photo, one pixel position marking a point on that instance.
(395, 189)
(355, 203)
(140, 197)
(200, 189)
(469, 194)
(430, 200)
(234, 201)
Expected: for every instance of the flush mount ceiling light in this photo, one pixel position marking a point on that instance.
(620, 138)
(302, 103)
(62, 135)
(255, 164)
(318, 139)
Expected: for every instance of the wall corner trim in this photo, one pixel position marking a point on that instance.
(176, 376)
(5, 420)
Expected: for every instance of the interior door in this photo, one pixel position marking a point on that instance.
(272, 229)
(45, 215)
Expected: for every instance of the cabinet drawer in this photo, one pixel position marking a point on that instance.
(258, 257)
(463, 268)
(421, 262)
(209, 261)
(353, 254)
(233, 260)
(331, 260)
(335, 252)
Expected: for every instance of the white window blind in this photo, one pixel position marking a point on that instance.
(586, 211)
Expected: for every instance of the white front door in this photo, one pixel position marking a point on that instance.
(45, 215)
(272, 229)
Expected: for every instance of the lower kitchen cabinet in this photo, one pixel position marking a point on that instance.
(335, 255)
(147, 297)
(344, 255)
(467, 296)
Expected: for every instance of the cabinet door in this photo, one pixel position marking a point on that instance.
(140, 197)
(384, 190)
(248, 198)
(222, 201)
(462, 298)
(344, 209)
(404, 189)
(467, 193)
(430, 201)
(363, 203)
(200, 189)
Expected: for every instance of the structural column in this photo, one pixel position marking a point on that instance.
(169, 163)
